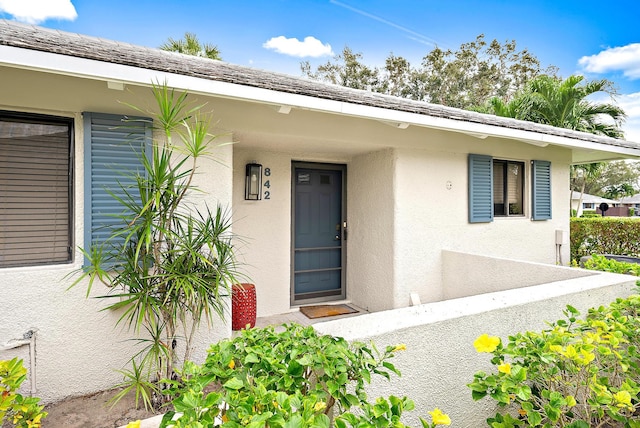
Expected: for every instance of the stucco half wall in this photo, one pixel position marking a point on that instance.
(440, 359)
(465, 274)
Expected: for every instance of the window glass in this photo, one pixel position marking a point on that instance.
(35, 189)
(508, 188)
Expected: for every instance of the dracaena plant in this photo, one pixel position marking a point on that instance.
(169, 265)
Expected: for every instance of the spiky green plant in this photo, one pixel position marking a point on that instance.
(170, 265)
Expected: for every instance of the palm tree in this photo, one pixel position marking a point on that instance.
(582, 174)
(190, 45)
(564, 104)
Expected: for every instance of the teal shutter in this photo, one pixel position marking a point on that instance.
(541, 192)
(113, 146)
(480, 189)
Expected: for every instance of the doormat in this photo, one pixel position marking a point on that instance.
(321, 311)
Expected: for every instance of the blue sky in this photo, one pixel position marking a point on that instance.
(594, 38)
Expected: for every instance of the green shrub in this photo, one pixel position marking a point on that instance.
(579, 373)
(574, 213)
(632, 211)
(293, 379)
(21, 412)
(601, 263)
(604, 235)
(590, 214)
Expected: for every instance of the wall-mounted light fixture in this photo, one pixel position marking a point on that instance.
(253, 182)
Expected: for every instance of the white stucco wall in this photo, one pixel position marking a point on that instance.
(431, 212)
(78, 347)
(404, 206)
(371, 204)
(440, 359)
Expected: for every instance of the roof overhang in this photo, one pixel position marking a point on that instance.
(117, 76)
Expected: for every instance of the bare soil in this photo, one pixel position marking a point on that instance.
(93, 411)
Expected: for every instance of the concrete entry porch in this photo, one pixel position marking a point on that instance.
(295, 316)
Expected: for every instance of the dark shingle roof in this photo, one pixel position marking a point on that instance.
(81, 46)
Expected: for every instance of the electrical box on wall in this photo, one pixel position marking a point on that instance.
(561, 237)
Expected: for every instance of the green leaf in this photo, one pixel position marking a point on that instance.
(478, 395)
(581, 424)
(296, 421)
(234, 383)
(339, 423)
(295, 369)
(349, 417)
(518, 374)
(534, 418)
(166, 419)
(321, 421)
(573, 310)
(352, 399)
(251, 358)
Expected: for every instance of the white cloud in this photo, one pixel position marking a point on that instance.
(623, 58)
(310, 47)
(37, 11)
(630, 103)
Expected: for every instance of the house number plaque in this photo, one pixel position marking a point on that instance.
(267, 183)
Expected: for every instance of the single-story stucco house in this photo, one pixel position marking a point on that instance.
(388, 184)
(631, 202)
(589, 202)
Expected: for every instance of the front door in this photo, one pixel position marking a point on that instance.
(319, 232)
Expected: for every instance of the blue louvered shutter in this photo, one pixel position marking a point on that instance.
(113, 148)
(541, 192)
(480, 188)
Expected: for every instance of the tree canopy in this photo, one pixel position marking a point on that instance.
(465, 78)
(564, 104)
(190, 45)
(612, 180)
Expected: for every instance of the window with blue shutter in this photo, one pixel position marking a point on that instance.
(480, 188)
(541, 190)
(113, 145)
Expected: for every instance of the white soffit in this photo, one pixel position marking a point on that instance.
(123, 74)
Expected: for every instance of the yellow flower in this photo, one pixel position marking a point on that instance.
(401, 347)
(486, 343)
(522, 412)
(232, 364)
(504, 368)
(320, 405)
(439, 418)
(135, 424)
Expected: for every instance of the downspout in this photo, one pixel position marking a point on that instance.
(29, 338)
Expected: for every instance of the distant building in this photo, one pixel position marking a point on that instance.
(631, 202)
(589, 202)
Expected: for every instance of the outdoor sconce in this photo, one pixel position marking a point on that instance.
(253, 182)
